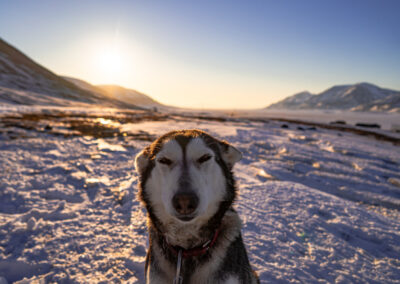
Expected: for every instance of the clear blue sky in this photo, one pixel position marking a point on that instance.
(212, 53)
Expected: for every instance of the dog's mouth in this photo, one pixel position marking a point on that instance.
(185, 218)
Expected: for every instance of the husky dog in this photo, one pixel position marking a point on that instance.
(187, 186)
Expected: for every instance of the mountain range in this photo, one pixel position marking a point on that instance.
(25, 82)
(357, 97)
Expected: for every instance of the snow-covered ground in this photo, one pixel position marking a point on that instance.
(386, 120)
(318, 206)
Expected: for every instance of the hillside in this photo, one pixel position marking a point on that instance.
(357, 97)
(25, 82)
(292, 102)
(115, 92)
(128, 95)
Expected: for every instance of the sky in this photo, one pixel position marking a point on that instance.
(211, 53)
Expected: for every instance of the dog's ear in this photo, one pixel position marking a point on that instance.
(229, 154)
(141, 161)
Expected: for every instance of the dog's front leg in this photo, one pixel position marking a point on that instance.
(158, 270)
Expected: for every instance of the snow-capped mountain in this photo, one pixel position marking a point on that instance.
(357, 97)
(293, 101)
(25, 82)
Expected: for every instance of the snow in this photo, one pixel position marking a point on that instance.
(387, 121)
(318, 205)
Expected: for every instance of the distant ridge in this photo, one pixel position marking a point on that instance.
(116, 92)
(128, 95)
(357, 97)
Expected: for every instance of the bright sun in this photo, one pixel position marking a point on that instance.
(109, 63)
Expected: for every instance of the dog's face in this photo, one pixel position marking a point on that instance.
(184, 175)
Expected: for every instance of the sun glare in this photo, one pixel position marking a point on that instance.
(110, 61)
(109, 64)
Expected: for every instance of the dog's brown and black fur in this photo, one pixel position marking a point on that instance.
(172, 160)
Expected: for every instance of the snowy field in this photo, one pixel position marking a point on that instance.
(386, 120)
(318, 205)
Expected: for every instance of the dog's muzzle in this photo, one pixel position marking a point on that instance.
(185, 204)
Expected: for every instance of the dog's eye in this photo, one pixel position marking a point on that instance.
(165, 161)
(203, 158)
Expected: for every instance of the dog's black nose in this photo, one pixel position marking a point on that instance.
(185, 203)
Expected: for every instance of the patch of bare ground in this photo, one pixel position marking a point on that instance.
(69, 124)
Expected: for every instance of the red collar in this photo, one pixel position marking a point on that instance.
(196, 251)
